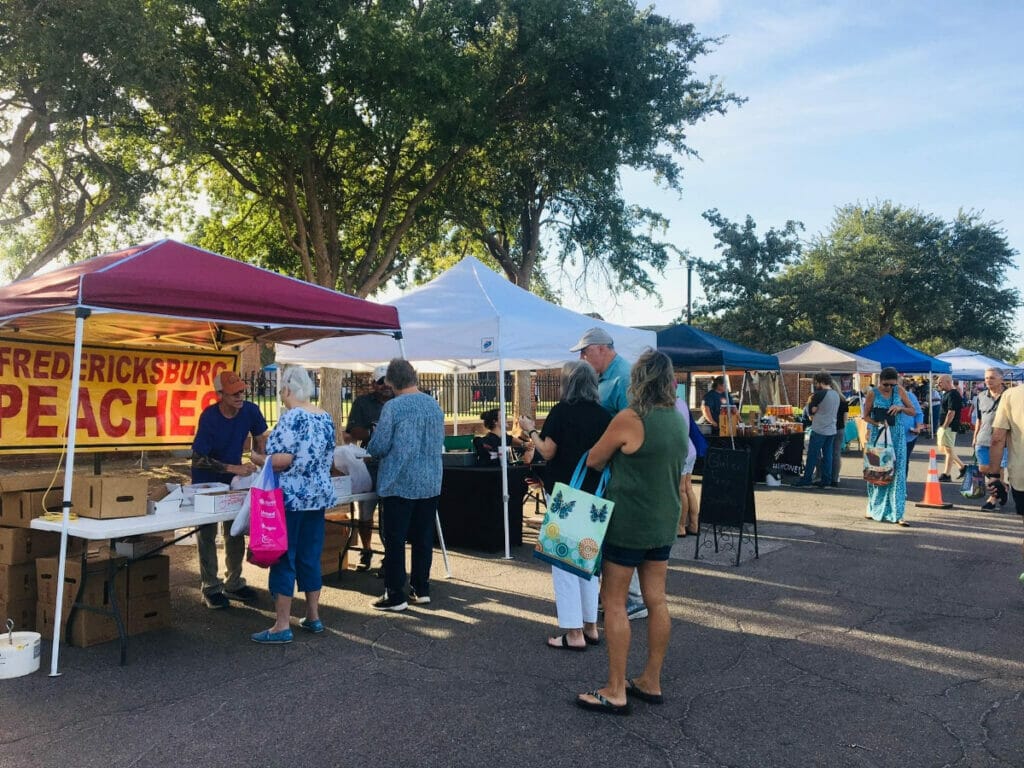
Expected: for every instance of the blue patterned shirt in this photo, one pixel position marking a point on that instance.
(408, 442)
(309, 437)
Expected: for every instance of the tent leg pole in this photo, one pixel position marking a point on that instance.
(444, 549)
(69, 470)
(503, 455)
(455, 402)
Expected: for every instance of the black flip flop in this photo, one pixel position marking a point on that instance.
(603, 705)
(565, 645)
(632, 689)
(590, 640)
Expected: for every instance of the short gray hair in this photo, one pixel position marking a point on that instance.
(298, 382)
(579, 383)
(401, 374)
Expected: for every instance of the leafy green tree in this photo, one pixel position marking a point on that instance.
(888, 269)
(603, 87)
(73, 158)
(338, 118)
(743, 301)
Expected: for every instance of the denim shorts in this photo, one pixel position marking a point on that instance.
(631, 558)
(983, 455)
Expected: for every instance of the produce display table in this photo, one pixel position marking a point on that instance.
(768, 452)
(122, 528)
(471, 507)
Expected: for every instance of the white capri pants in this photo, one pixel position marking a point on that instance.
(575, 598)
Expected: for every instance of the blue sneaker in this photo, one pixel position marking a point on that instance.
(315, 626)
(273, 638)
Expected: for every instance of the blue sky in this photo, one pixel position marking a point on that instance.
(918, 103)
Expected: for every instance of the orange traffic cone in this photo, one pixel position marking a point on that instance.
(932, 488)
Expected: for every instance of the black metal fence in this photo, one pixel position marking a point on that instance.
(474, 393)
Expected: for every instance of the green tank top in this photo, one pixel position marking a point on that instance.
(645, 485)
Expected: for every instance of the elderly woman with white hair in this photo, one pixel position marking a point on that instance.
(301, 449)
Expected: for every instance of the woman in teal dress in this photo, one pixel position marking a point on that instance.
(886, 503)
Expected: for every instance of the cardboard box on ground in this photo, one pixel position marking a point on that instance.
(21, 612)
(22, 545)
(142, 592)
(335, 552)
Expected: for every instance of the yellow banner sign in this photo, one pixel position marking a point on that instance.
(127, 398)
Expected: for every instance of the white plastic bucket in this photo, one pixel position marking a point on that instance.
(19, 653)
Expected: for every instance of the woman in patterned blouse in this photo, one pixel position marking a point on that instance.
(301, 449)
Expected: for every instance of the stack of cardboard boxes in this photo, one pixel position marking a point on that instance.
(29, 559)
(23, 497)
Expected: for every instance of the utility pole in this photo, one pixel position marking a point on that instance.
(689, 285)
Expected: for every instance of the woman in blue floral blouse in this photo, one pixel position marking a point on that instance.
(301, 449)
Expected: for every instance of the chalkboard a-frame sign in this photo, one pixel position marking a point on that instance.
(727, 495)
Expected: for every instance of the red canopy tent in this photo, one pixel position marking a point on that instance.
(169, 294)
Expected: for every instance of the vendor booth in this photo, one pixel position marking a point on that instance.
(814, 356)
(162, 296)
(472, 319)
(775, 443)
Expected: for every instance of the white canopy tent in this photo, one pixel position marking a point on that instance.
(818, 356)
(971, 365)
(473, 319)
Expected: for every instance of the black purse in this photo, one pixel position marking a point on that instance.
(882, 414)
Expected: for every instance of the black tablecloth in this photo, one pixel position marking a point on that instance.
(766, 453)
(471, 509)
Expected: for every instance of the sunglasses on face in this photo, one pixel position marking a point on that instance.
(887, 384)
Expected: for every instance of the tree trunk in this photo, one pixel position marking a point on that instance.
(330, 398)
(522, 398)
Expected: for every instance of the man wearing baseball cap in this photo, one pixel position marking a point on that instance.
(361, 421)
(597, 347)
(217, 458)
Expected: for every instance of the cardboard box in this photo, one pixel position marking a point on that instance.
(148, 612)
(110, 496)
(20, 545)
(97, 578)
(137, 547)
(22, 612)
(167, 501)
(88, 628)
(330, 562)
(342, 485)
(19, 508)
(30, 481)
(17, 582)
(189, 492)
(149, 576)
(222, 502)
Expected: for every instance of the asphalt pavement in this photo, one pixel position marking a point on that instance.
(845, 643)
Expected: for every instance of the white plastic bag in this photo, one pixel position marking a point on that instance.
(348, 459)
(240, 525)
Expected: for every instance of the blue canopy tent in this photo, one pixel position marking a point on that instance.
(692, 349)
(890, 351)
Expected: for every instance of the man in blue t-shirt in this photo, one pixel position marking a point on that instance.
(217, 458)
(714, 400)
(597, 347)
